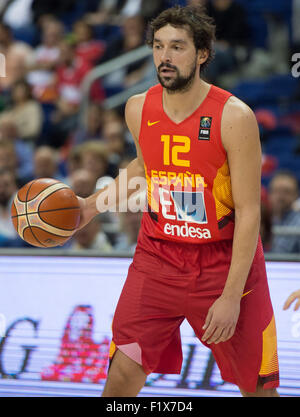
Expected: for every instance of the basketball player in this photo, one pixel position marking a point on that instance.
(199, 255)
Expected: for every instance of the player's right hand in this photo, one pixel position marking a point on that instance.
(295, 295)
(86, 212)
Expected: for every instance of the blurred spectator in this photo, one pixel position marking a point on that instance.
(112, 11)
(8, 157)
(17, 13)
(111, 115)
(269, 165)
(70, 72)
(151, 9)
(88, 49)
(92, 126)
(265, 221)
(8, 45)
(118, 147)
(232, 32)
(82, 182)
(133, 35)
(54, 7)
(283, 192)
(25, 112)
(267, 123)
(17, 55)
(23, 150)
(129, 229)
(46, 163)
(8, 188)
(94, 158)
(78, 56)
(231, 22)
(266, 227)
(45, 59)
(295, 26)
(296, 205)
(91, 237)
(73, 161)
(69, 76)
(103, 15)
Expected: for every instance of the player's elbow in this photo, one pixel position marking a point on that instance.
(139, 166)
(250, 215)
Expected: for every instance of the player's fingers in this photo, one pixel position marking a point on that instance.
(290, 299)
(228, 334)
(207, 320)
(209, 331)
(297, 305)
(224, 335)
(216, 335)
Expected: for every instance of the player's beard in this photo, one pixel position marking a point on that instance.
(178, 83)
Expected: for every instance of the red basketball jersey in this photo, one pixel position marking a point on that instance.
(189, 189)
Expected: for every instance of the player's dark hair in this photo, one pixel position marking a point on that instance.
(195, 19)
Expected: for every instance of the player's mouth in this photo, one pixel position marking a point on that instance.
(166, 70)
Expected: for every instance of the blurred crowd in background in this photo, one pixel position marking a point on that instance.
(50, 47)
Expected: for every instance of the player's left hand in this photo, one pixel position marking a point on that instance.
(221, 320)
(294, 296)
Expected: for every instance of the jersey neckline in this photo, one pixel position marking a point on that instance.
(192, 114)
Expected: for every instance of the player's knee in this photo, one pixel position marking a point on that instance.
(260, 391)
(125, 377)
(125, 369)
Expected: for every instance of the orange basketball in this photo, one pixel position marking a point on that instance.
(45, 212)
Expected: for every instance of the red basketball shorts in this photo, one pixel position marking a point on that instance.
(168, 282)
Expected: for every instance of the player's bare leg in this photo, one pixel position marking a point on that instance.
(125, 377)
(260, 391)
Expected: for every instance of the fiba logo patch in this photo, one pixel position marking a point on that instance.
(204, 129)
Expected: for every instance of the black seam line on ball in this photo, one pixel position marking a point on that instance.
(26, 214)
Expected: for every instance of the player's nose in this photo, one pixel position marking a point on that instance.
(165, 56)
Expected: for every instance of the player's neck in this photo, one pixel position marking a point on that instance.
(179, 106)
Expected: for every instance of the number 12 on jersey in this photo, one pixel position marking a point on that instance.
(171, 151)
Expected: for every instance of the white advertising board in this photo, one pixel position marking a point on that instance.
(55, 329)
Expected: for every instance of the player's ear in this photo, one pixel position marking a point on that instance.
(202, 56)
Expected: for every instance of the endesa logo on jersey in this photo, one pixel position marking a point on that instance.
(186, 231)
(187, 207)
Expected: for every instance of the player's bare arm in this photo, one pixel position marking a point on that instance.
(240, 137)
(98, 202)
